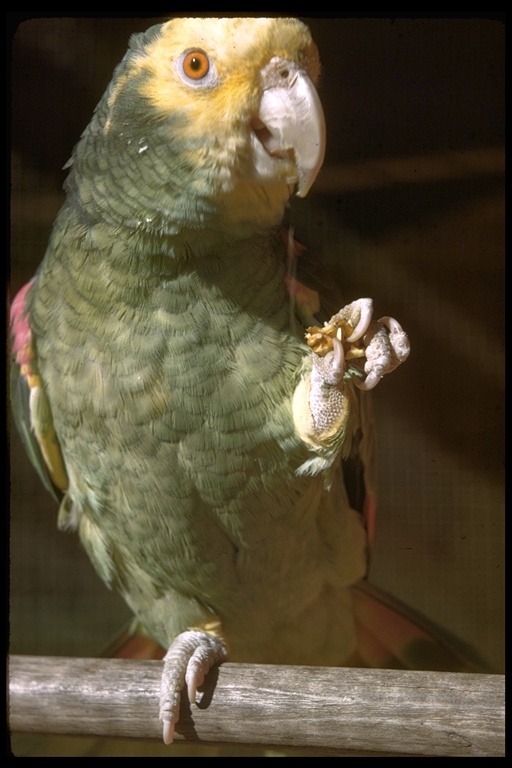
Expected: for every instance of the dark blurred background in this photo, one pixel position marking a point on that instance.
(409, 209)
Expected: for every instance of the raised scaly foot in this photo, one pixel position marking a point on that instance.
(187, 662)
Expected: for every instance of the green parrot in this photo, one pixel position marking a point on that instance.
(202, 419)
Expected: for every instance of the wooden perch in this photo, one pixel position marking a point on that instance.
(365, 710)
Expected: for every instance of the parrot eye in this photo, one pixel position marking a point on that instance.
(195, 68)
(196, 65)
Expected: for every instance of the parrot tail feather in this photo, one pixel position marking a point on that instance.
(132, 642)
(391, 635)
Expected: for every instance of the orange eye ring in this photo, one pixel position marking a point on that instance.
(196, 64)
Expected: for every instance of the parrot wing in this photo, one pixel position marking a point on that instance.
(30, 406)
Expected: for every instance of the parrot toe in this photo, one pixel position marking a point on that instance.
(331, 368)
(186, 663)
(382, 345)
(398, 338)
(387, 346)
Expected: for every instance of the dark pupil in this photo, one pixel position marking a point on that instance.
(195, 63)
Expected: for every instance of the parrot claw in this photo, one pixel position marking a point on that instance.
(168, 730)
(186, 663)
(384, 344)
(348, 347)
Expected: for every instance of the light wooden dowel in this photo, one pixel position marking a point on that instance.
(382, 711)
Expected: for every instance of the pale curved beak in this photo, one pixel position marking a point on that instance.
(290, 123)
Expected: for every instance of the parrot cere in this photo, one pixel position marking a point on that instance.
(199, 435)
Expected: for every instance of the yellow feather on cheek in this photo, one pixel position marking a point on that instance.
(234, 94)
(230, 102)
